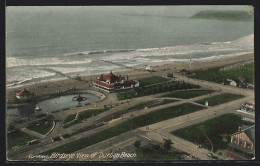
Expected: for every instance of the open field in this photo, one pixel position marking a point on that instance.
(217, 130)
(149, 104)
(136, 122)
(88, 113)
(188, 94)
(83, 115)
(220, 99)
(43, 128)
(69, 118)
(154, 89)
(215, 75)
(152, 80)
(18, 138)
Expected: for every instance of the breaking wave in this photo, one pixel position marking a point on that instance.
(17, 61)
(23, 70)
(98, 52)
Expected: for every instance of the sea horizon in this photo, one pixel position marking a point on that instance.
(83, 41)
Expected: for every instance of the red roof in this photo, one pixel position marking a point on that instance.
(24, 93)
(131, 82)
(241, 79)
(103, 84)
(111, 78)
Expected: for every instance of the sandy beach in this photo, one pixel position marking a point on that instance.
(47, 89)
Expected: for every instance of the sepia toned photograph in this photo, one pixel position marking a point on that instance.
(130, 83)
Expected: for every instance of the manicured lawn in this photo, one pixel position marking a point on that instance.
(152, 80)
(215, 75)
(220, 99)
(166, 101)
(247, 72)
(69, 118)
(89, 113)
(18, 138)
(149, 104)
(188, 94)
(42, 128)
(135, 122)
(213, 129)
(154, 89)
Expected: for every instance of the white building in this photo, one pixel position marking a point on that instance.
(112, 83)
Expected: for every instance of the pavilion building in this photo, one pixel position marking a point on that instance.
(25, 95)
(113, 83)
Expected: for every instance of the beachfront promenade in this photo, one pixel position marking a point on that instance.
(156, 131)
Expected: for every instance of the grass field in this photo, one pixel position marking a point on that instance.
(42, 128)
(149, 104)
(152, 80)
(70, 119)
(215, 75)
(213, 129)
(220, 99)
(136, 122)
(89, 113)
(18, 138)
(188, 94)
(154, 89)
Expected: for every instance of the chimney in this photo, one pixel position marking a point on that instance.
(239, 129)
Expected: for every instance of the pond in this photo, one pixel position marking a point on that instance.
(51, 105)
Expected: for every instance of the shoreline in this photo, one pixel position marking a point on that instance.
(44, 90)
(176, 62)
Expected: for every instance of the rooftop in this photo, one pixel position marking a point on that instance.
(25, 92)
(249, 131)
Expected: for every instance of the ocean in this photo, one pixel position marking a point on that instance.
(93, 40)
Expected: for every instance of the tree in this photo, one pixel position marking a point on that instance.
(188, 85)
(171, 88)
(167, 144)
(11, 127)
(137, 143)
(183, 85)
(177, 85)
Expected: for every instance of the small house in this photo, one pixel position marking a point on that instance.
(25, 95)
(250, 86)
(244, 140)
(241, 82)
(169, 75)
(233, 83)
(185, 72)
